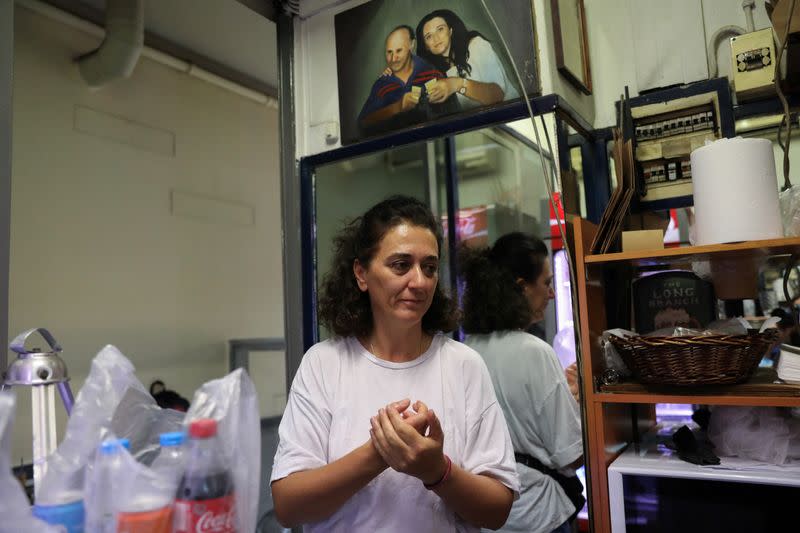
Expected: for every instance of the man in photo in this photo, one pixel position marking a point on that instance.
(397, 98)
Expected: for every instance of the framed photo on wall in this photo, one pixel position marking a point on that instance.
(405, 63)
(571, 44)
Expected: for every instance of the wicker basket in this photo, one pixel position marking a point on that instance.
(688, 361)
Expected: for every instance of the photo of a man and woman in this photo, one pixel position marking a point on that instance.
(406, 63)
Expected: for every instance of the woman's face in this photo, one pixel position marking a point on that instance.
(402, 276)
(437, 35)
(540, 292)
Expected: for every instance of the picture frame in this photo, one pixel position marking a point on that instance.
(470, 66)
(571, 44)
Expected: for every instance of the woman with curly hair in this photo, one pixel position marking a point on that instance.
(473, 70)
(391, 425)
(508, 287)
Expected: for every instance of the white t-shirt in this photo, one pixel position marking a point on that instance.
(340, 385)
(543, 419)
(486, 68)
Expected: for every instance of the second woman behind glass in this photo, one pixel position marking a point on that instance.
(508, 289)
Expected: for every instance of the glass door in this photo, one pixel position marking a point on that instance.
(501, 189)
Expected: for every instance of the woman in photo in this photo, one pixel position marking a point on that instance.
(474, 71)
(508, 288)
(391, 425)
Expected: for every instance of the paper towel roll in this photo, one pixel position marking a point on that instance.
(735, 191)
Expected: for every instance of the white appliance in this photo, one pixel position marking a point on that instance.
(652, 463)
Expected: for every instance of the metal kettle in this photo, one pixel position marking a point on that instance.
(36, 367)
(40, 370)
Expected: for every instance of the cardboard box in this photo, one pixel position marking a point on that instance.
(646, 239)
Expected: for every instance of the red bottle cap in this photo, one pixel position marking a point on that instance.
(203, 428)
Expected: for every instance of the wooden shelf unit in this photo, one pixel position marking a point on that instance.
(615, 414)
(736, 251)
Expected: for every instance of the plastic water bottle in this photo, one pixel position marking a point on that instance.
(99, 492)
(171, 461)
(151, 512)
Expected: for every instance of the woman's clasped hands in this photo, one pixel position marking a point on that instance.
(410, 440)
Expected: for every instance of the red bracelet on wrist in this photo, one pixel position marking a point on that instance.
(444, 476)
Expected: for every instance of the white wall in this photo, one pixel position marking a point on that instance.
(316, 88)
(98, 255)
(612, 47)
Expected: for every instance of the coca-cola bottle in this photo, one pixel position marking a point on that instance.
(205, 501)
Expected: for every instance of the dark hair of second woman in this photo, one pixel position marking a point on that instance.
(343, 308)
(494, 299)
(459, 43)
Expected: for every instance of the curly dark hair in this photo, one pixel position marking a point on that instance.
(343, 308)
(493, 300)
(459, 43)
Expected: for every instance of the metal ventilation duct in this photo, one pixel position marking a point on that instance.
(117, 55)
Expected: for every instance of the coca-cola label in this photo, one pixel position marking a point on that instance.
(206, 516)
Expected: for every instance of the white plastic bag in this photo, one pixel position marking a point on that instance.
(110, 377)
(142, 497)
(15, 510)
(139, 419)
(790, 211)
(113, 403)
(611, 357)
(766, 434)
(233, 403)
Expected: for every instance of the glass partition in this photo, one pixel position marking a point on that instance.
(346, 189)
(496, 174)
(499, 174)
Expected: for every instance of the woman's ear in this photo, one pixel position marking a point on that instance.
(522, 284)
(361, 275)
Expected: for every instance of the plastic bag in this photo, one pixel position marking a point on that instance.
(675, 332)
(233, 403)
(110, 376)
(139, 419)
(731, 326)
(611, 357)
(15, 509)
(113, 403)
(766, 434)
(790, 211)
(122, 494)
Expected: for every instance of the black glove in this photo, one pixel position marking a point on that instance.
(691, 450)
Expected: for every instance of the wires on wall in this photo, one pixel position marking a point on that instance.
(787, 117)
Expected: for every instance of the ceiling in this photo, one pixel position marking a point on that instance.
(241, 42)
